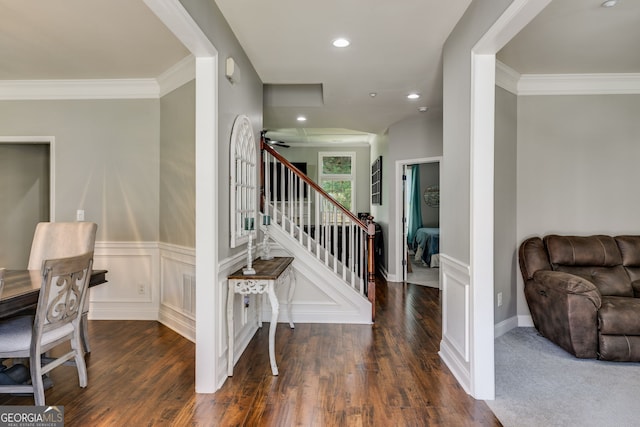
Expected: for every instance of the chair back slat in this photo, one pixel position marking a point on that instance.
(64, 285)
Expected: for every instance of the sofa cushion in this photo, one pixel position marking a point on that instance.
(619, 348)
(630, 250)
(619, 316)
(610, 281)
(577, 250)
(595, 258)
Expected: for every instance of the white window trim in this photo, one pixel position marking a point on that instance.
(340, 177)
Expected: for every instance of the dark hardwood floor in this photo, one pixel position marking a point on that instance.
(389, 374)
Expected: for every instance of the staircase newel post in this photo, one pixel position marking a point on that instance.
(371, 267)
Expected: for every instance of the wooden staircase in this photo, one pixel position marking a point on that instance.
(323, 231)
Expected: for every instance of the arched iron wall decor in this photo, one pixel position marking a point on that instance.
(244, 181)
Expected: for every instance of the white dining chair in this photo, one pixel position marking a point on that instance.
(57, 320)
(60, 240)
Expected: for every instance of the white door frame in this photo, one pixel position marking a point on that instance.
(482, 362)
(400, 243)
(209, 376)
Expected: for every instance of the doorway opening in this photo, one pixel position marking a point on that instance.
(26, 174)
(421, 223)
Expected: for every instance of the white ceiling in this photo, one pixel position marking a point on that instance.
(396, 49)
(578, 36)
(83, 39)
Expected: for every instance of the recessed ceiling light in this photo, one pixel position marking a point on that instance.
(373, 94)
(423, 109)
(301, 119)
(413, 96)
(341, 42)
(610, 3)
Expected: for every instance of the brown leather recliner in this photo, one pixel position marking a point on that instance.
(584, 293)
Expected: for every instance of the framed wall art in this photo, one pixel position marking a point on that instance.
(376, 182)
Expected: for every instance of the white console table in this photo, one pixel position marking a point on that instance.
(269, 275)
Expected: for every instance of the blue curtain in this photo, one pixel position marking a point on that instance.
(414, 220)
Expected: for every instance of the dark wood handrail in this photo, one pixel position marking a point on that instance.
(266, 147)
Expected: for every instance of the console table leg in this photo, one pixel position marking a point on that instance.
(230, 329)
(292, 288)
(259, 308)
(275, 308)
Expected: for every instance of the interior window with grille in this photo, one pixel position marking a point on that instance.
(337, 176)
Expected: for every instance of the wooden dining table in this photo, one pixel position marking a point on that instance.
(22, 287)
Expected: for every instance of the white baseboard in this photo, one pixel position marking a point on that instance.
(459, 369)
(525, 321)
(505, 326)
(179, 322)
(122, 311)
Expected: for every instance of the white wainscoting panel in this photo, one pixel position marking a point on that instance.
(178, 289)
(132, 291)
(454, 347)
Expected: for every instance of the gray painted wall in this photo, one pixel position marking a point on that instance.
(233, 99)
(380, 213)
(505, 203)
(107, 160)
(177, 167)
(412, 138)
(455, 185)
(577, 162)
(429, 176)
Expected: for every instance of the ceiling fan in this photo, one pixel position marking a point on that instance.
(272, 142)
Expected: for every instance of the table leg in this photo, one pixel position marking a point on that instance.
(259, 298)
(230, 328)
(292, 288)
(275, 308)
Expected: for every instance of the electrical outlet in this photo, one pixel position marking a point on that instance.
(141, 289)
(499, 299)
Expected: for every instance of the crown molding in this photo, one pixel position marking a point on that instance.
(151, 88)
(566, 84)
(579, 84)
(178, 75)
(78, 89)
(506, 77)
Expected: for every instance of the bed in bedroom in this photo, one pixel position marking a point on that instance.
(426, 245)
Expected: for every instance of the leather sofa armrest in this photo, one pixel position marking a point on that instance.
(636, 288)
(568, 283)
(564, 308)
